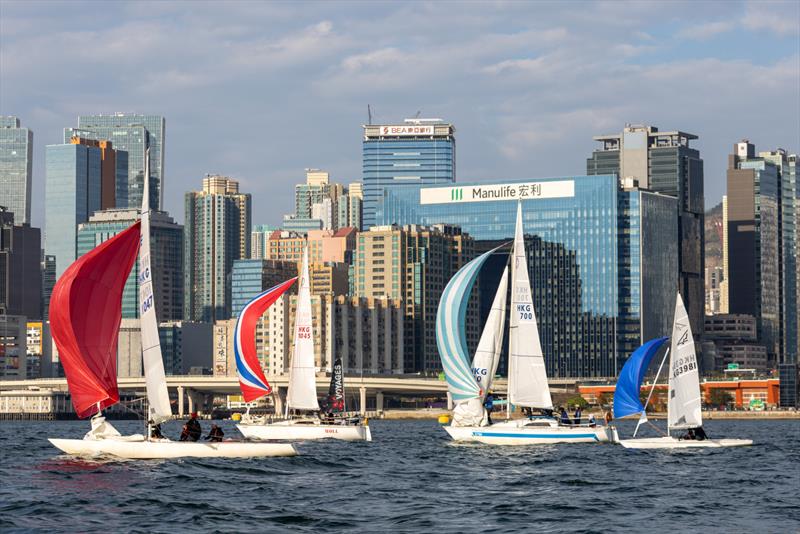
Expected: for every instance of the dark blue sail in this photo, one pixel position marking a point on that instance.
(626, 394)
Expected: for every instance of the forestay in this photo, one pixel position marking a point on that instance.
(487, 356)
(252, 381)
(684, 379)
(155, 378)
(302, 393)
(85, 314)
(527, 377)
(629, 383)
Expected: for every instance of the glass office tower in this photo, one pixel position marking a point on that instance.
(16, 153)
(602, 258)
(72, 195)
(134, 134)
(418, 152)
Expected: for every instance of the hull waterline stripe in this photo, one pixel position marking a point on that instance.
(505, 435)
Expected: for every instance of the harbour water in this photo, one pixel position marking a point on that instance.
(411, 478)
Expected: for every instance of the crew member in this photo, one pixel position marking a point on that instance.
(565, 417)
(191, 430)
(215, 434)
(489, 405)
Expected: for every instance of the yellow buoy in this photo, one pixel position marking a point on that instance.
(444, 419)
(236, 417)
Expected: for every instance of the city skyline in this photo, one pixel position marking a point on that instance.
(526, 98)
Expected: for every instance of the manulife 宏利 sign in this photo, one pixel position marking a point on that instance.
(495, 192)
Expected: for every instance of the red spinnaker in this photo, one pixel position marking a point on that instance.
(85, 314)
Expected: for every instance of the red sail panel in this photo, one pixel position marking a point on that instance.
(85, 314)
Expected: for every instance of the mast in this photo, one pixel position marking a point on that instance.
(302, 391)
(684, 404)
(155, 378)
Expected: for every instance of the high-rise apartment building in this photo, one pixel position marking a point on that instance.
(412, 264)
(20, 271)
(663, 162)
(16, 162)
(250, 277)
(317, 204)
(72, 195)
(113, 173)
(216, 232)
(417, 152)
(48, 268)
(166, 257)
(259, 237)
(133, 133)
(13, 347)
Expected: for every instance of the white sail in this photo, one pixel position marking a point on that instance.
(156, 381)
(684, 410)
(487, 356)
(527, 377)
(302, 393)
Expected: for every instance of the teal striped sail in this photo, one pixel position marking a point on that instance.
(450, 331)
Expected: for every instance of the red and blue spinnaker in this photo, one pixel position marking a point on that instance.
(85, 314)
(252, 381)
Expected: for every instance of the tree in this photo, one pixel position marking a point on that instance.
(577, 400)
(720, 397)
(603, 399)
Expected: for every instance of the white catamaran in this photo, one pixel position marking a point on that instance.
(302, 390)
(684, 398)
(527, 377)
(85, 317)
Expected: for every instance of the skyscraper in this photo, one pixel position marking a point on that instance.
(216, 232)
(134, 134)
(20, 270)
(113, 173)
(16, 152)
(663, 162)
(754, 242)
(418, 152)
(166, 258)
(72, 195)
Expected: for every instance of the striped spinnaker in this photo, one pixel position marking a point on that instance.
(450, 331)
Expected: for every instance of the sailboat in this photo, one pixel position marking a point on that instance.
(302, 390)
(85, 311)
(684, 398)
(527, 377)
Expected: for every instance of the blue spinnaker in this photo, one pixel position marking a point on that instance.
(626, 394)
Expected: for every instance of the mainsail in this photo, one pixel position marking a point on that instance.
(85, 314)
(527, 377)
(252, 381)
(629, 383)
(487, 356)
(302, 393)
(155, 379)
(684, 409)
(336, 389)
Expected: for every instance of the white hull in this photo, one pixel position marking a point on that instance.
(674, 443)
(304, 429)
(521, 432)
(147, 450)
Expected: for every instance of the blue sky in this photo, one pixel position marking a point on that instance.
(259, 91)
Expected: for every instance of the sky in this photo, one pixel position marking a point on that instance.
(260, 91)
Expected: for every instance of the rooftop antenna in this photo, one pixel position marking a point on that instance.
(369, 115)
(419, 112)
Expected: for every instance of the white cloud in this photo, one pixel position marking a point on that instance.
(702, 32)
(782, 18)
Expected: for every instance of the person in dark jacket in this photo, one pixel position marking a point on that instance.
(155, 431)
(215, 434)
(191, 430)
(578, 413)
(489, 405)
(700, 434)
(565, 417)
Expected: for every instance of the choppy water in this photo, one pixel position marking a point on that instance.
(410, 479)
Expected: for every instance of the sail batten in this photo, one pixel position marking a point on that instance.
(85, 314)
(302, 394)
(527, 376)
(252, 381)
(684, 402)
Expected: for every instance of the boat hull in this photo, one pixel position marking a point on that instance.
(513, 434)
(674, 443)
(148, 450)
(294, 431)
